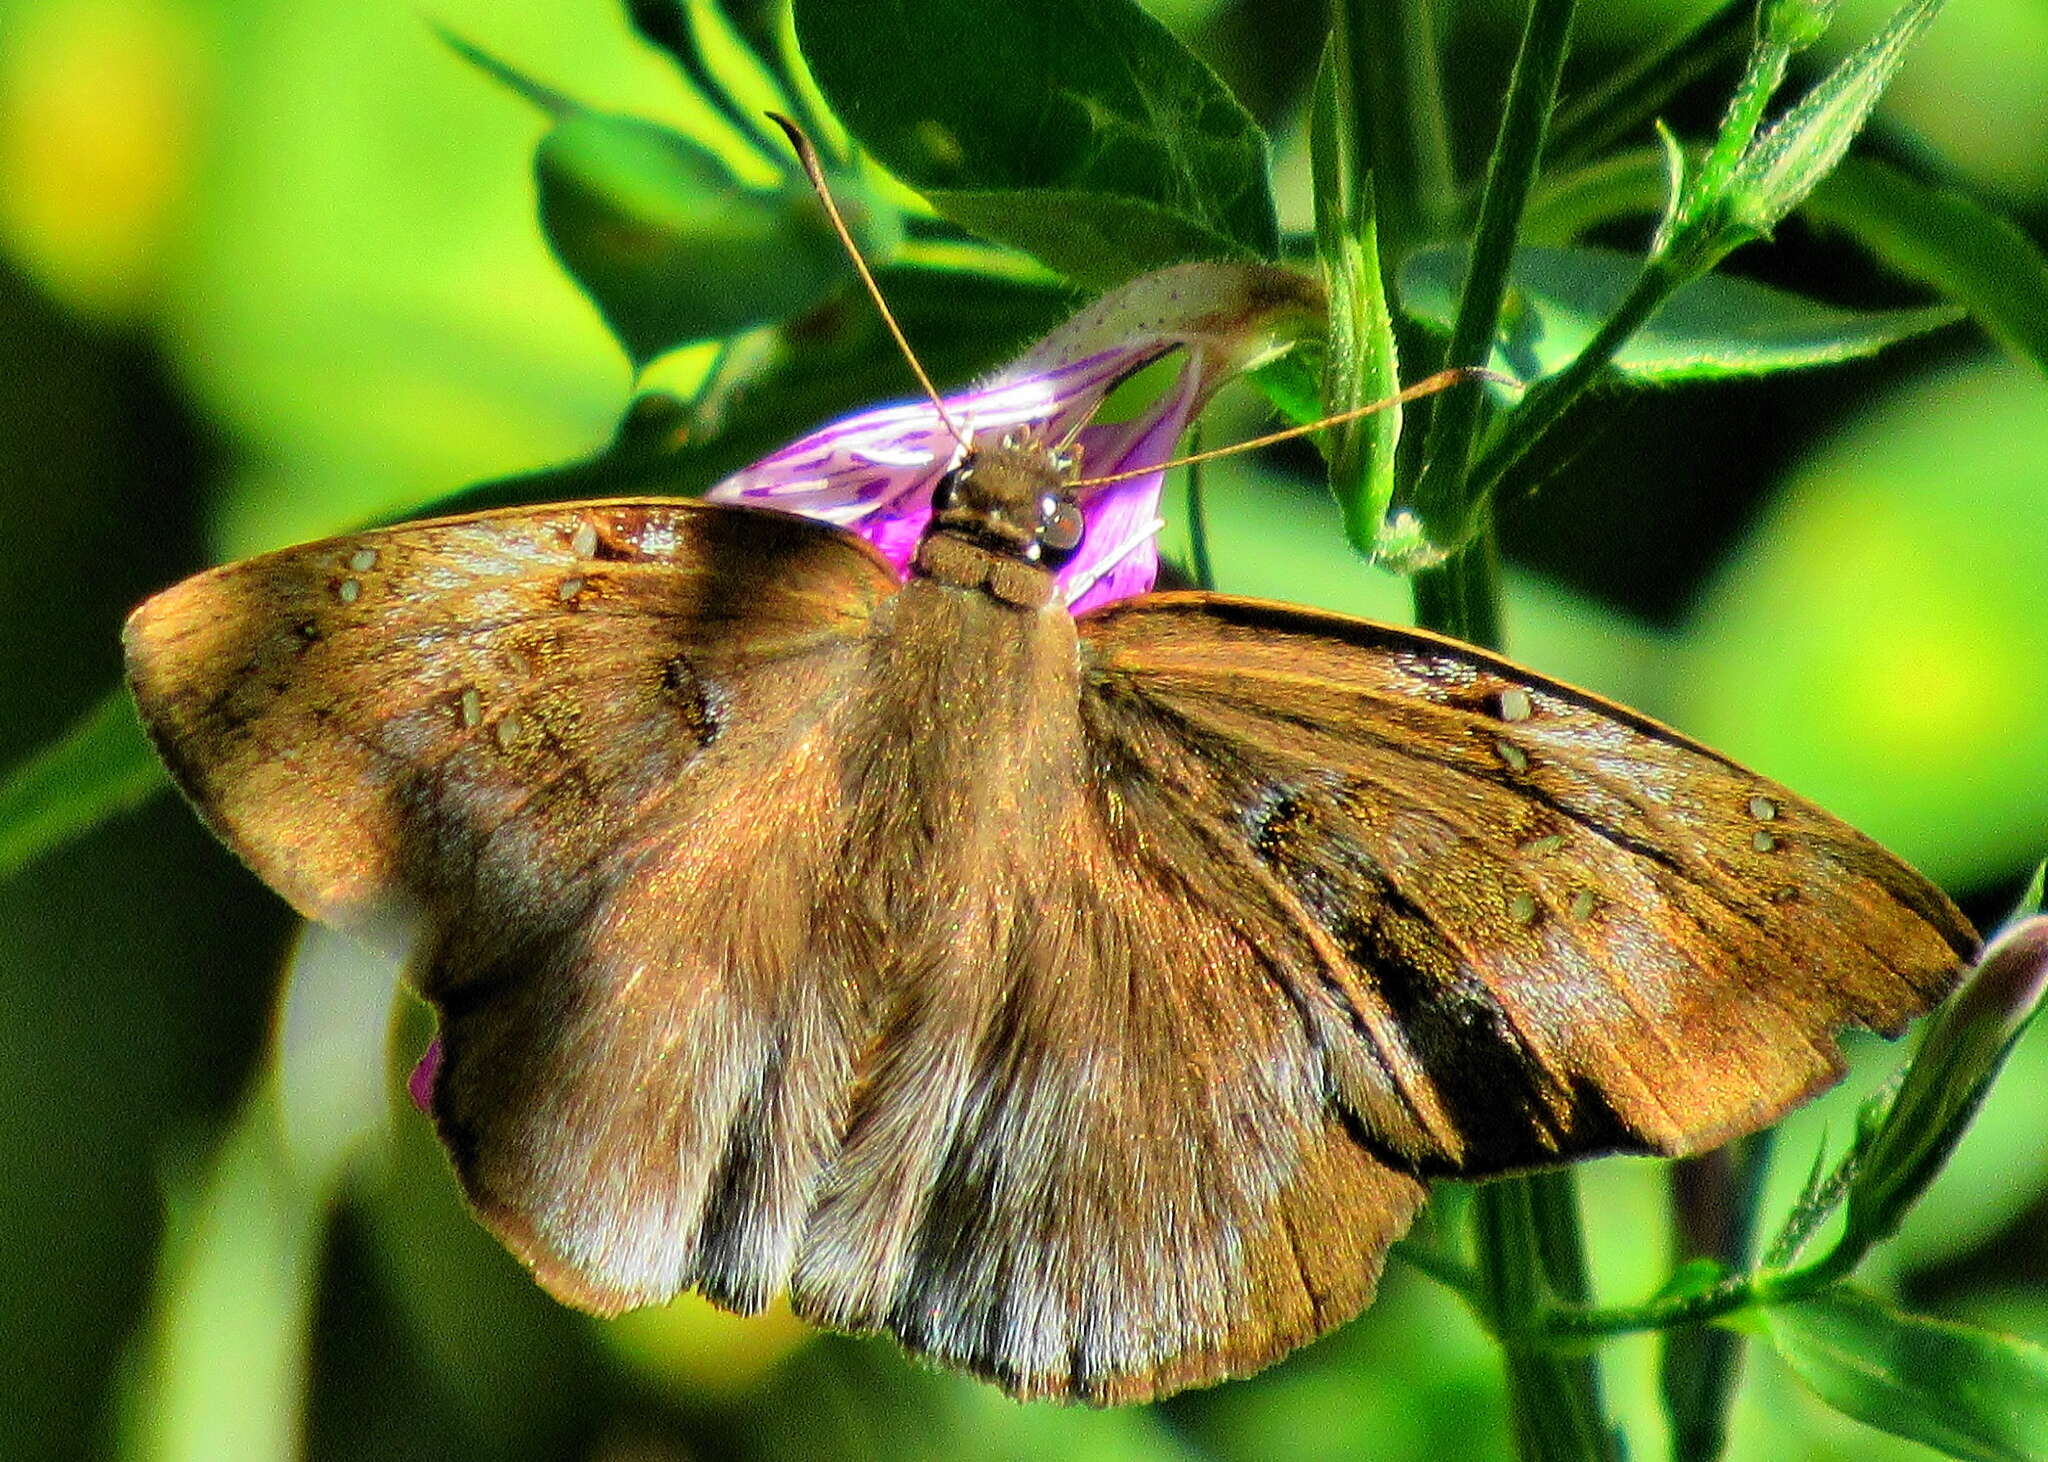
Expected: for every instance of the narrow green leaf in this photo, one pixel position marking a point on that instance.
(1082, 132)
(672, 248)
(717, 64)
(1715, 327)
(1978, 259)
(1804, 145)
(1969, 1393)
(99, 768)
(539, 93)
(1590, 123)
(1361, 364)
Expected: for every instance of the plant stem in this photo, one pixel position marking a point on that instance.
(1443, 498)
(1548, 400)
(1522, 1227)
(1715, 1197)
(1461, 596)
(1527, 1241)
(1770, 1286)
(1399, 134)
(1200, 565)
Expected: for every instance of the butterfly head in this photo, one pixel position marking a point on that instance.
(1014, 498)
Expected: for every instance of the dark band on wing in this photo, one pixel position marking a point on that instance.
(1509, 1110)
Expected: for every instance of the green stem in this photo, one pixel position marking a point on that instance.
(1715, 1198)
(1445, 1270)
(1548, 400)
(1399, 133)
(1767, 1287)
(1200, 565)
(1443, 498)
(1553, 1398)
(1461, 596)
(1760, 80)
(1526, 1235)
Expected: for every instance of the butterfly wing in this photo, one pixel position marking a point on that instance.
(1522, 923)
(575, 752)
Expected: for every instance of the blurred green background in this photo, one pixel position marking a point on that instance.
(268, 269)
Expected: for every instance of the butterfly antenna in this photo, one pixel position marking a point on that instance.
(808, 156)
(1428, 386)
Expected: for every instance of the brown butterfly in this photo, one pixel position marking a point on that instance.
(1083, 1000)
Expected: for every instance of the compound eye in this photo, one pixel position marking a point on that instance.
(947, 492)
(1062, 526)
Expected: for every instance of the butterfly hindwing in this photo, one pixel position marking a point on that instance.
(1525, 924)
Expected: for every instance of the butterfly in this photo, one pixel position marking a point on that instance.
(1085, 1000)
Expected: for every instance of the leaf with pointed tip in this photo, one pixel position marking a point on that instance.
(98, 769)
(1083, 133)
(1716, 327)
(1966, 1392)
(1946, 239)
(1804, 145)
(672, 247)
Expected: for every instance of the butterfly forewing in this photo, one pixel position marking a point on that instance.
(460, 716)
(1524, 923)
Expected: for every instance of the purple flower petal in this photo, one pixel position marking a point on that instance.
(874, 473)
(420, 1085)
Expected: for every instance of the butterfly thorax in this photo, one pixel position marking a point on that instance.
(1002, 521)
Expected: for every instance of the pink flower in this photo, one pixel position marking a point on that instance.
(874, 473)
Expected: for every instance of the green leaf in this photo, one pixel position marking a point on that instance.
(1715, 327)
(1362, 364)
(1083, 133)
(1978, 259)
(717, 63)
(1804, 145)
(99, 768)
(528, 88)
(1969, 1393)
(673, 248)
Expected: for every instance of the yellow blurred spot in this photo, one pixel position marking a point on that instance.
(99, 109)
(699, 1349)
(1924, 685)
(1930, 668)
